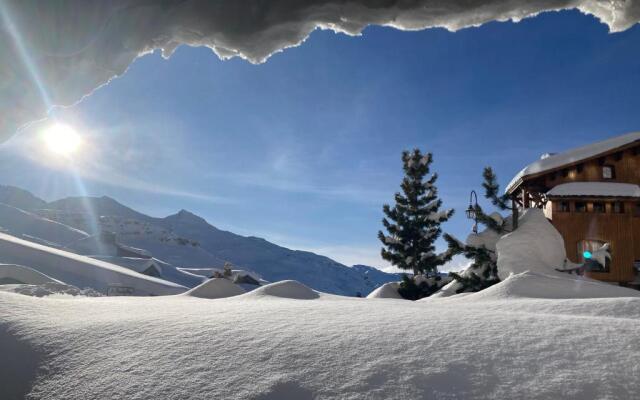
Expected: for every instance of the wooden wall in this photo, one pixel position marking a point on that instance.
(626, 163)
(622, 231)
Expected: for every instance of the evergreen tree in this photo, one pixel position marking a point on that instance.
(413, 224)
(483, 271)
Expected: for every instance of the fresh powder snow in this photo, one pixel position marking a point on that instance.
(499, 343)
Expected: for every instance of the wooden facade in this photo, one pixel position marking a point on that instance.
(583, 220)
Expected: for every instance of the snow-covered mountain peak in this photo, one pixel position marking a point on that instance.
(16, 197)
(186, 217)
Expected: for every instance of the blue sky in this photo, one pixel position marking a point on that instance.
(304, 149)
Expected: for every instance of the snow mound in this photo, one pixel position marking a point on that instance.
(544, 286)
(387, 291)
(535, 246)
(285, 289)
(215, 288)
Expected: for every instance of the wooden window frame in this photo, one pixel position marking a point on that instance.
(602, 210)
(559, 207)
(613, 172)
(613, 207)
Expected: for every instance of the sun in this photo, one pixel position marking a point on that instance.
(61, 139)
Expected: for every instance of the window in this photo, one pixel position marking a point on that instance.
(636, 265)
(579, 168)
(617, 156)
(637, 210)
(598, 207)
(565, 173)
(617, 207)
(586, 248)
(581, 206)
(563, 206)
(608, 172)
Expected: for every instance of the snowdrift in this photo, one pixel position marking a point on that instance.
(386, 291)
(250, 347)
(216, 288)
(82, 271)
(535, 246)
(545, 286)
(285, 289)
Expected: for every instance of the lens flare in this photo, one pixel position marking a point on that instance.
(61, 139)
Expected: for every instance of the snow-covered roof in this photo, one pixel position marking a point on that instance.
(599, 189)
(572, 156)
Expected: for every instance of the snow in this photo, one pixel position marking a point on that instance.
(287, 290)
(215, 288)
(500, 343)
(535, 246)
(573, 156)
(50, 289)
(79, 270)
(547, 286)
(598, 189)
(23, 275)
(387, 291)
(31, 226)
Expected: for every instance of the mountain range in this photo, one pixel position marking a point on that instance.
(183, 240)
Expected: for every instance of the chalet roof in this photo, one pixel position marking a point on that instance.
(595, 189)
(572, 156)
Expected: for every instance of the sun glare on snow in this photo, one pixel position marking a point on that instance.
(61, 139)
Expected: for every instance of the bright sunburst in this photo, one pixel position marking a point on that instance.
(62, 139)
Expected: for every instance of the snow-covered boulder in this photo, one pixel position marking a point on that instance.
(387, 291)
(286, 289)
(535, 246)
(216, 288)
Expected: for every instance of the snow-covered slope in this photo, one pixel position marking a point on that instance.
(33, 227)
(20, 198)
(499, 345)
(82, 271)
(187, 240)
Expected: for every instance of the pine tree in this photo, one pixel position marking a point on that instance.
(483, 271)
(413, 224)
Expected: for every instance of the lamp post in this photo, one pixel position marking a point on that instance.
(472, 210)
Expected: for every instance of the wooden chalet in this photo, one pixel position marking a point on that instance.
(591, 195)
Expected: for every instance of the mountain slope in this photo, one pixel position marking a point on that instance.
(187, 240)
